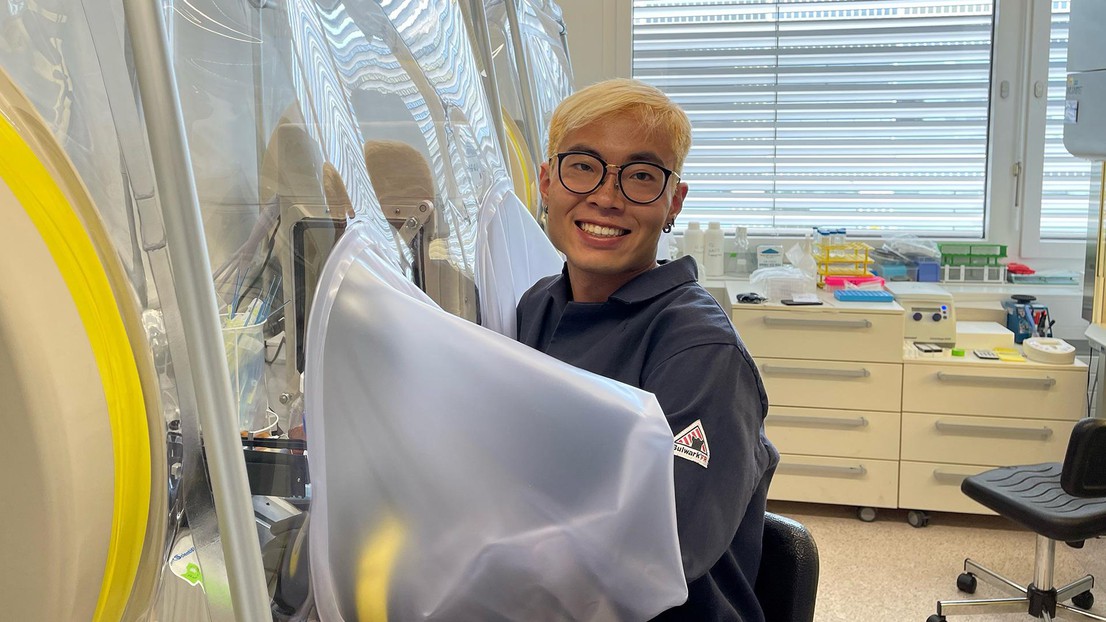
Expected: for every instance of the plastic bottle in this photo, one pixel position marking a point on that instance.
(714, 261)
(741, 250)
(694, 244)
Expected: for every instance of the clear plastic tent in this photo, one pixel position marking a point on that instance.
(308, 121)
(533, 74)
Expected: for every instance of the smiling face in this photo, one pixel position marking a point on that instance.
(606, 239)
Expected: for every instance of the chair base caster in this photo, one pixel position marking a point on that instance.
(1084, 600)
(966, 583)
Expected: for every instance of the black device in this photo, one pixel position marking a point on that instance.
(312, 241)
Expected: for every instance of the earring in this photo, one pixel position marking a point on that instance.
(668, 226)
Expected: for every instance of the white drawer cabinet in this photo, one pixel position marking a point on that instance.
(962, 417)
(860, 420)
(833, 374)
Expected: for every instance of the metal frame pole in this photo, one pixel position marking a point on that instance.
(484, 48)
(195, 293)
(529, 105)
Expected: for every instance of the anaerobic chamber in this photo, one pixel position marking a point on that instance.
(257, 294)
(523, 47)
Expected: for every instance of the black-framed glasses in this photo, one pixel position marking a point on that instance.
(640, 182)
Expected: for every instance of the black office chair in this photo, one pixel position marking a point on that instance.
(787, 582)
(1060, 503)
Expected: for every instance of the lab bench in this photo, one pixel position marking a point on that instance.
(860, 419)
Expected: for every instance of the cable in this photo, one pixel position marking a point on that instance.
(261, 269)
(277, 353)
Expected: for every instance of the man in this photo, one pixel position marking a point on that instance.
(610, 186)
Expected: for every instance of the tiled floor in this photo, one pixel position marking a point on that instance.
(888, 571)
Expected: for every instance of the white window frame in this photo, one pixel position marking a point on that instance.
(1038, 28)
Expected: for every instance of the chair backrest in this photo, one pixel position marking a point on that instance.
(1084, 473)
(787, 583)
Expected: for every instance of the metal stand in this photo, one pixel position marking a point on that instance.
(1039, 599)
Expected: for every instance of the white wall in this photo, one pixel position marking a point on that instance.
(598, 39)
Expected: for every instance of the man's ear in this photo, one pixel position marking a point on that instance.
(677, 201)
(543, 181)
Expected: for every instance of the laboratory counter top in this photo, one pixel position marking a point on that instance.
(733, 289)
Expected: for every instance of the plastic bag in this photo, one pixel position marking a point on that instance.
(911, 246)
(783, 282)
(460, 475)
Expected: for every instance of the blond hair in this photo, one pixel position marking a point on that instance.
(604, 100)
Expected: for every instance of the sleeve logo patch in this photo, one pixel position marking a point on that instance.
(691, 444)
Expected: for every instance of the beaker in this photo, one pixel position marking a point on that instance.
(244, 344)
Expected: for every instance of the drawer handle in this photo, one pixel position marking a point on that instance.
(992, 430)
(1045, 383)
(792, 321)
(816, 371)
(952, 478)
(822, 469)
(858, 422)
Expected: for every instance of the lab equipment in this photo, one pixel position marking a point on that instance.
(695, 244)
(712, 242)
(846, 259)
(850, 282)
(862, 295)
(740, 254)
(1049, 350)
(929, 312)
(1027, 318)
(244, 343)
(892, 266)
(1060, 502)
(769, 256)
(982, 335)
(782, 282)
(973, 262)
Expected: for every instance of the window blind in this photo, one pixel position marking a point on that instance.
(1067, 179)
(869, 114)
